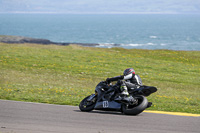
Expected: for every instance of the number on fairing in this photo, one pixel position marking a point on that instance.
(105, 104)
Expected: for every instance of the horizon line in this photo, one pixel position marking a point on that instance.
(99, 13)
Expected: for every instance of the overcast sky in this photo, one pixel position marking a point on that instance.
(100, 6)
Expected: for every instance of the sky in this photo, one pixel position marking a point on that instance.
(100, 6)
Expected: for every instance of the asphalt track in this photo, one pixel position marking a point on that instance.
(23, 117)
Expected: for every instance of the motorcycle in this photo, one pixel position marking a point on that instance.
(106, 98)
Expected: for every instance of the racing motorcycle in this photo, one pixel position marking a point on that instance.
(106, 98)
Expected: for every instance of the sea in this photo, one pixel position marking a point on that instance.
(130, 31)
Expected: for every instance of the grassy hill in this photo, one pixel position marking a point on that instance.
(66, 74)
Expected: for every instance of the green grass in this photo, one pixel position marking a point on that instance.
(66, 74)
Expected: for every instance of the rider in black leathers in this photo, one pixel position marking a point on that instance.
(129, 80)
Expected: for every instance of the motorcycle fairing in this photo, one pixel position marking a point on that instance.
(145, 90)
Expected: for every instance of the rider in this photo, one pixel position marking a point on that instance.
(129, 80)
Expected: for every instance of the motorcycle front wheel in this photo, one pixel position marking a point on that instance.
(137, 108)
(86, 105)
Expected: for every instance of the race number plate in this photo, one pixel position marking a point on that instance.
(105, 104)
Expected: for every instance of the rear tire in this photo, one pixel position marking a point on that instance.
(135, 109)
(87, 106)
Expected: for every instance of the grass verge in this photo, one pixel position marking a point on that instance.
(66, 74)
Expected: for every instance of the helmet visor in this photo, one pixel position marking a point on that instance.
(129, 76)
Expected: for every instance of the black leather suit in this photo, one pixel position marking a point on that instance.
(132, 83)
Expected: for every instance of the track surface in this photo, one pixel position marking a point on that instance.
(22, 117)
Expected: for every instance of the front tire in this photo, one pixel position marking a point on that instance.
(135, 109)
(87, 106)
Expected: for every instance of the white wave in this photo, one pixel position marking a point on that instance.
(153, 37)
(136, 45)
(163, 44)
(151, 44)
(109, 45)
(106, 45)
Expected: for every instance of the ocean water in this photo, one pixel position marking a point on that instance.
(138, 31)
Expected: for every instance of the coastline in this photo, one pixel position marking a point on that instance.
(21, 39)
(12, 39)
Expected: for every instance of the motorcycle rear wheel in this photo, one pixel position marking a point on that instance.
(135, 109)
(87, 106)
